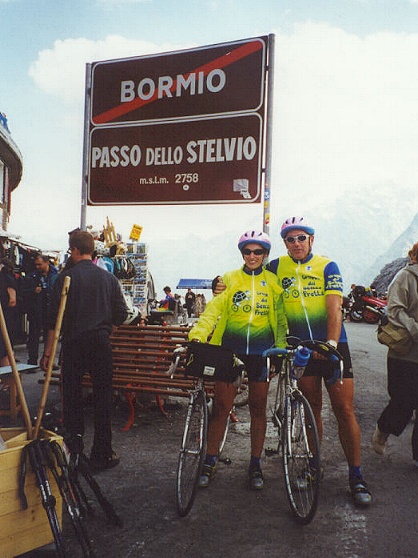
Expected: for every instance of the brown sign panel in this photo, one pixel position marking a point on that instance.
(183, 162)
(217, 79)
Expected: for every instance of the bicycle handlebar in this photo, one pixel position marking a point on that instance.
(321, 347)
(175, 360)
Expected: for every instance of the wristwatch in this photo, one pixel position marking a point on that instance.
(333, 343)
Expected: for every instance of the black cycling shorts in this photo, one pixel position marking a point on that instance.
(324, 368)
(255, 367)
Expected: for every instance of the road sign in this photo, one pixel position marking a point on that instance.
(178, 128)
(212, 80)
(192, 161)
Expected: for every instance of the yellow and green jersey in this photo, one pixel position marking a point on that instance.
(248, 317)
(305, 286)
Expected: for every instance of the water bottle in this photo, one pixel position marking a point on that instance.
(300, 361)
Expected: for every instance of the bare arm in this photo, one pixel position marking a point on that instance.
(335, 317)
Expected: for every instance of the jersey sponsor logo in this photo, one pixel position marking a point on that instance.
(238, 298)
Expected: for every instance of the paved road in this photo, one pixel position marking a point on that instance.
(229, 520)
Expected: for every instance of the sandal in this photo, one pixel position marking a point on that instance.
(360, 494)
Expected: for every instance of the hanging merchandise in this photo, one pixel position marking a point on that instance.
(127, 262)
(109, 264)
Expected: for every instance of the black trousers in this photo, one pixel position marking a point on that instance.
(37, 324)
(403, 392)
(89, 354)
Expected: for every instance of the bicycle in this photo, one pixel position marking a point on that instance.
(297, 431)
(203, 361)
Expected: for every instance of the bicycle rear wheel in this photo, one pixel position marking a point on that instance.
(301, 458)
(192, 453)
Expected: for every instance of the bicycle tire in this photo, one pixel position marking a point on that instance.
(192, 453)
(301, 458)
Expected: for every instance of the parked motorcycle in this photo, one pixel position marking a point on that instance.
(362, 304)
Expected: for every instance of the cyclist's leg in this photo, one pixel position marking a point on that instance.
(257, 402)
(222, 405)
(342, 401)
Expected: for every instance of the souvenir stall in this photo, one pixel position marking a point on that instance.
(129, 263)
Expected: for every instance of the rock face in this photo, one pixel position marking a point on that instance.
(388, 272)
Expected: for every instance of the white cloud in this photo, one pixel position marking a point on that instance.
(346, 110)
(60, 70)
(345, 106)
(345, 117)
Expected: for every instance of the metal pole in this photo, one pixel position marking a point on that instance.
(269, 134)
(83, 216)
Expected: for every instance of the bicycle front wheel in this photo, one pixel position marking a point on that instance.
(301, 458)
(192, 453)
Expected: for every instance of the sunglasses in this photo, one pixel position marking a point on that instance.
(299, 238)
(256, 252)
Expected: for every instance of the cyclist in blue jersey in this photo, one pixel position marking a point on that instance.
(313, 291)
(247, 319)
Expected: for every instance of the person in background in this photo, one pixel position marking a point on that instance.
(8, 301)
(36, 289)
(190, 302)
(402, 368)
(168, 301)
(95, 303)
(313, 291)
(247, 319)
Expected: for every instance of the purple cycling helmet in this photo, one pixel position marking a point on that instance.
(254, 237)
(296, 223)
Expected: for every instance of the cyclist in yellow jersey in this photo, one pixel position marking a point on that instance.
(313, 291)
(247, 319)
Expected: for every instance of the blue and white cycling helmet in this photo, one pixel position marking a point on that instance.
(254, 237)
(296, 223)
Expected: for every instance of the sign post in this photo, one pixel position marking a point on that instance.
(269, 137)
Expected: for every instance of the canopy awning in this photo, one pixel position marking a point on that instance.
(195, 284)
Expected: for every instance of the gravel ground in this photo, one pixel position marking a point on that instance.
(228, 518)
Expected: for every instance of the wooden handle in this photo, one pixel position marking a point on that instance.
(57, 331)
(16, 374)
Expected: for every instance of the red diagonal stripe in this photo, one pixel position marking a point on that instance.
(221, 62)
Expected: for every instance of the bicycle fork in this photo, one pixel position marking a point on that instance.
(185, 446)
(293, 430)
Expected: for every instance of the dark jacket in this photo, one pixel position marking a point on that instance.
(95, 301)
(38, 302)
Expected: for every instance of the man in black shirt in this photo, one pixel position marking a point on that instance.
(190, 299)
(95, 304)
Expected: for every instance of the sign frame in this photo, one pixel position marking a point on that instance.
(262, 108)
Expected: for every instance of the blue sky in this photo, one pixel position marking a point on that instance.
(345, 113)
